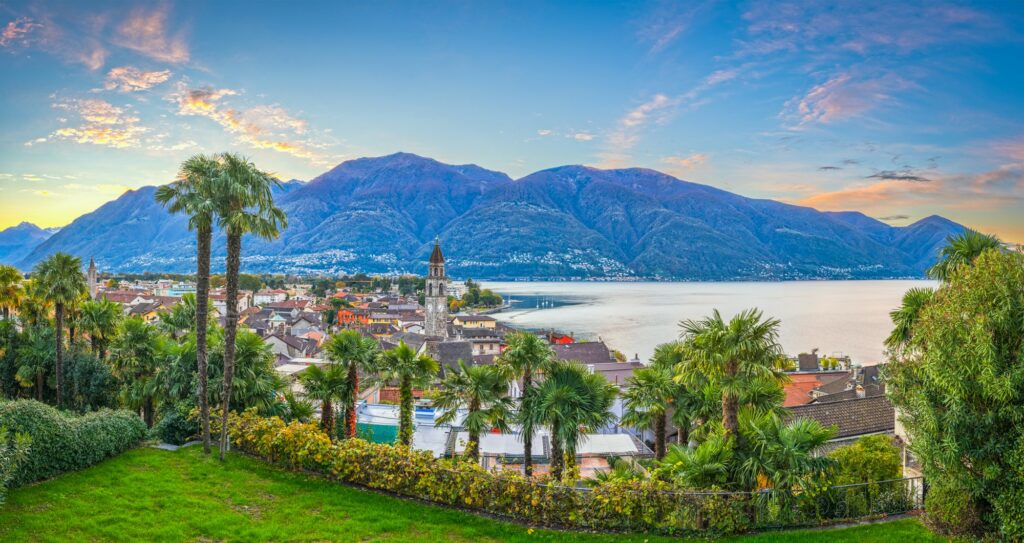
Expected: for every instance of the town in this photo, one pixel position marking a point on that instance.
(294, 322)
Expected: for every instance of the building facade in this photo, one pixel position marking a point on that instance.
(435, 321)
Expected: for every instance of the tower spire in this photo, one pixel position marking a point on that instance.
(435, 318)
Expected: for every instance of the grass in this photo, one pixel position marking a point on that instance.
(154, 495)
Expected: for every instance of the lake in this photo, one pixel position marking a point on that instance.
(837, 317)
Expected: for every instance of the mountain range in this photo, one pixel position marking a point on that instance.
(381, 215)
(18, 241)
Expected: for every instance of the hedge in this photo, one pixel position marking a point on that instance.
(63, 443)
(645, 505)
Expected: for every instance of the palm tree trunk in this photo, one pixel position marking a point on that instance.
(353, 377)
(527, 436)
(39, 387)
(59, 317)
(570, 463)
(327, 416)
(730, 417)
(659, 436)
(230, 330)
(473, 447)
(203, 238)
(147, 412)
(730, 404)
(405, 412)
(557, 456)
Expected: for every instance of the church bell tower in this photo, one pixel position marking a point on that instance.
(91, 278)
(435, 321)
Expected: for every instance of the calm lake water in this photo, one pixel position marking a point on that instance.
(837, 317)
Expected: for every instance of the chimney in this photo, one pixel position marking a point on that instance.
(860, 391)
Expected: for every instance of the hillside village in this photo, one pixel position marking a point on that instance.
(295, 323)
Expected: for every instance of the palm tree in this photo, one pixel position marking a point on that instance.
(782, 455)
(137, 353)
(35, 360)
(326, 385)
(11, 290)
(483, 391)
(99, 319)
(961, 250)
(732, 354)
(245, 205)
(256, 383)
(354, 353)
(525, 355)
(181, 319)
(34, 309)
(706, 466)
(60, 281)
(649, 394)
(570, 402)
(904, 318)
(409, 369)
(193, 194)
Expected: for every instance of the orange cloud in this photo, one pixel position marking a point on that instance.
(842, 97)
(128, 79)
(102, 124)
(994, 189)
(17, 31)
(146, 32)
(687, 162)
(261, 127)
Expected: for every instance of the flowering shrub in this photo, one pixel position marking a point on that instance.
(648, 505)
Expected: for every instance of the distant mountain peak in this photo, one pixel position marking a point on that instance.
(379, 214)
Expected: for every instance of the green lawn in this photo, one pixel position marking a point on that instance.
(154, 495)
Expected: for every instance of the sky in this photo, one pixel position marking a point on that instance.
(900, 110)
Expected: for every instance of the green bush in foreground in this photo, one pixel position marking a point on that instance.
(13, 450)
(62, 443)
(176, 425)
(958, 383)
(647, 505)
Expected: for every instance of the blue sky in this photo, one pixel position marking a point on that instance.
(899, 110)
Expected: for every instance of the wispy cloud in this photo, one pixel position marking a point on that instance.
(80, 33)
(893, 218)
(682, 164)
(668, 21)
(262, 127)
(626, 133)
(128, 79)
(102, 188)
(988, 190)
(146, 31)
(17, 32)
(100, 123)
(867, 27)
(658, 109)
(842, 97)
(829, 168)
(901, 175)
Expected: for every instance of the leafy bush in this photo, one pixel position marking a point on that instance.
(62, 443)
(619, 504)
(951, 511)
(13, 451)
(958, 384)
(870, 458)
(176, 425)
